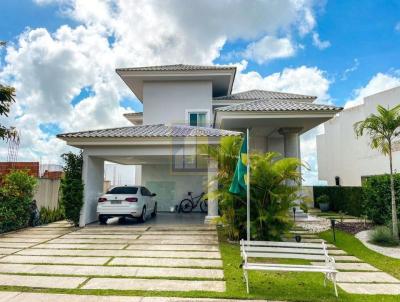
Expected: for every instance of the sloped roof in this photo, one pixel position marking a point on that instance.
(135, 118)
(278, 105)
(264, 94)
(148, 131)
(178, 67)
(134, 114)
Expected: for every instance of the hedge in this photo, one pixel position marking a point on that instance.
(72, 187)
(345, 199)
(16, 192)
(373, 199)
(377, 197)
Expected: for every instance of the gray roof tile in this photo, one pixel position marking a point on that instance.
(264, 94)
(134, 114)
(178, 67)
(277, 105)
(146, 131)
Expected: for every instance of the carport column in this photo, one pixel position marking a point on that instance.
(93, 181)
(212, 187)
(291, 140)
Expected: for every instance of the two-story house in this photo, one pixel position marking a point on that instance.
(185, 106)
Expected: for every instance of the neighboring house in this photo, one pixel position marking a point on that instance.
(32, 168)
(185, 106)
(345, 160)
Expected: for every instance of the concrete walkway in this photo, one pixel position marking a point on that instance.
(37, 297)
(127, 257)
(355, 276)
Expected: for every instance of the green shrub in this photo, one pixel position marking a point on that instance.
(377, 197)
(346, 199)
(72, 187)
(322, 199)
(271, 197)
(51, 215)
(382, 235)
(342, 216)
(304, 207)
(16, 194)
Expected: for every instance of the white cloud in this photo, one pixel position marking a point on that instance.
(378, 83)
(269, 48)
(317, 42)
(397, 27)
(350, 70)
(49, 69)
(303, 80)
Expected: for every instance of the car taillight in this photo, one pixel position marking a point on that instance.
(102, 199)
(131, 199)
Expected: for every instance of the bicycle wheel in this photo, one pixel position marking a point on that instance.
(186, 206)
(204, 206)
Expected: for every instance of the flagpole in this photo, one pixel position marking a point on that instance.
(248, 185)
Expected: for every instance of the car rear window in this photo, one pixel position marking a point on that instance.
(123, 190)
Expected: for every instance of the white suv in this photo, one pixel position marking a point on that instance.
(126, 201)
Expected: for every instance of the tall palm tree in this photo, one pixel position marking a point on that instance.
(383, 128)
(6, 99)
(7, 95)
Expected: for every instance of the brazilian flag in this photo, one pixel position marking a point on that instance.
(239, 181)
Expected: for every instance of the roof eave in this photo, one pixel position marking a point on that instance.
(83, 142)
(136, 86)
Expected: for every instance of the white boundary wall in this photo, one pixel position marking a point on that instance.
(47, 193)
(341, 154)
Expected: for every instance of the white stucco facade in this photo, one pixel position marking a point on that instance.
(165, 147)
(341, 154)
(169, 102)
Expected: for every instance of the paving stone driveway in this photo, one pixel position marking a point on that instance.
(37, 297)
(153, 258)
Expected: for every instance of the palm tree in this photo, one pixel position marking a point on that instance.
(6, 99)
(7, 95)
(383, 128)
(271, 197)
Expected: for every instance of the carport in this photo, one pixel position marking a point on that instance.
(169, 158)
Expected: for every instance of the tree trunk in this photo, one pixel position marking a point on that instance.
(394, 207)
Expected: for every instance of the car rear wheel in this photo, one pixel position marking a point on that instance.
(103, 219)
(154, 214)
(143, 216)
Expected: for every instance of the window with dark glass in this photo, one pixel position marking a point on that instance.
(123, 190)
(145, 192)
(197, 119)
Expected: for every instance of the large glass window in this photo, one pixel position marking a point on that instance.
(198, 119)
(189, 158)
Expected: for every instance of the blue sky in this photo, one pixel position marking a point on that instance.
(61, 55)
(357, 33)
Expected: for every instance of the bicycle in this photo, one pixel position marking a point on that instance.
(188, 205)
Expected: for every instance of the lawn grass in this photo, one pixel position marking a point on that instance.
(353, 246)
(283, 286)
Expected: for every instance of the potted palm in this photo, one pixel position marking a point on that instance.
(323, 202)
